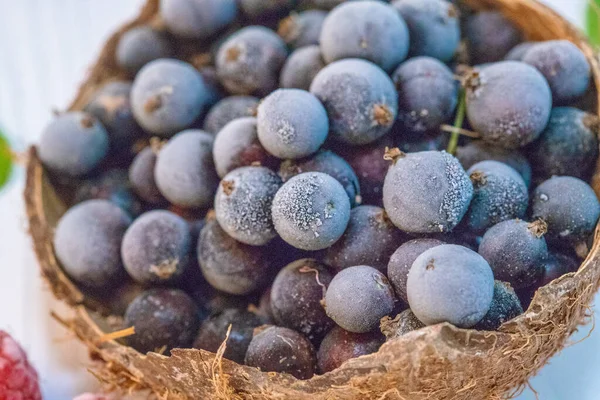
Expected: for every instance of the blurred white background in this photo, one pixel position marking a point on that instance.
(46, 47)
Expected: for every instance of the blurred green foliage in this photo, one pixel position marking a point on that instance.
(6, 160)
(593, 21)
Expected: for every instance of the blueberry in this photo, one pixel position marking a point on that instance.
(243, 204)
(478, 151)
(311, 211)
(164, 319)
(168, 96)
(214, 90)
(73, 144)
(324, 4)
(505, 306)
(302, 29)
(564, 66)
(250, 60)
(568, 145)
(227, 110)
(301, 67)
(292, 123)
(141, 176)
(450, 283)
(87, 242)
(370, 239)
(276, 349)
(229, 265)
(557, 264)
(427, 94)
(369, 30)
(260, 10)
(370, 168)
(264, 309)
(140, 45)
(508, 103)
(360, 100)
(569, 206)
(156, 248)
(401, 261)
(340, 345)
(433, 26)
(110, 104)
(490, 36)
(518, 52)
(358, 297)
(237, 145)
(522, 265)
(213, 331)
(499, 194)
(328, 163)
(197, 19)
(426, 192)
(297, 296)
(184, 172)
(112, 185)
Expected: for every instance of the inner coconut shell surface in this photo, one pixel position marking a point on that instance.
(436, 362)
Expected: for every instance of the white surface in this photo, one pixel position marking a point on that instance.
(45, 48)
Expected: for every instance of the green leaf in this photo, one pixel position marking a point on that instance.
(6, 160)
(593, 21)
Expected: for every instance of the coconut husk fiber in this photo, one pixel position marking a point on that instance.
(436, 362)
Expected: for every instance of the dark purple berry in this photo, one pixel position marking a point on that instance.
(114, 186)
(141, 177)
(505, 306)
(340, 345)
(518, 52)
(490, 36)
(197, 19)
(301, 67)
(227, 110)
(260, 10)
(140, 45)
(163, 319)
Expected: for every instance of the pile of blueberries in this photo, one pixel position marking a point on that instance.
(295, 182)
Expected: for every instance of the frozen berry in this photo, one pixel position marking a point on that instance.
(197, 19)
(564, 66)
(297, 298)
(569, 206)
(489, 36)
(358, 297)
(227, 110)
(292, 123)
(185, 172)
(73, 144)
(243, 204)
(264, 309)
(156, 248)
(478, 151)
(370, 239)
(163, 319)
(340, 345)
(360, 100)
(167, 96)
(328, 163)
(214, 89)
(110, 104)
(140, 45)
(505, 306)
(141, 177)
(450, 283)
(499, 194)
(518, 52)
(87, 242)
(302, 29)
(433, 26)
(214, 330)
(311, 211)
(237, 145)
(370, 30)
(403, 258)
(508, 103)
(522, 265)
(18, 378)
(568, 145)
(114, 186)
(250, 61)
(557, 264)
(301, 67)
(260, 10)
(276, 349)
(426, 192)
(231, 266)
(427, 94)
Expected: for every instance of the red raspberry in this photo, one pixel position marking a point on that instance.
(18, 379)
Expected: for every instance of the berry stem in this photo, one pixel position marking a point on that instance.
(458, 122)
